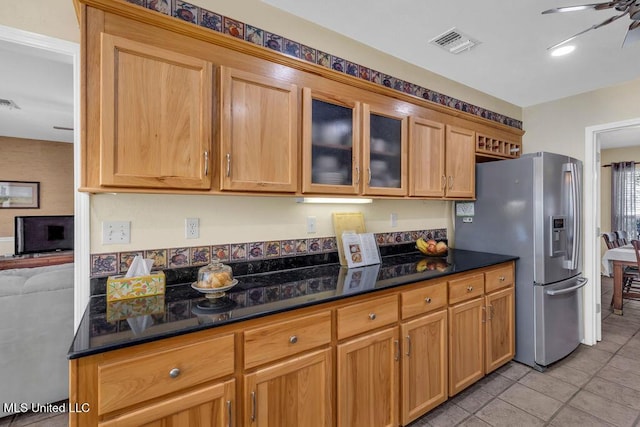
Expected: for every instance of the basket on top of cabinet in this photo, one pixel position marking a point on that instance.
(486, 145)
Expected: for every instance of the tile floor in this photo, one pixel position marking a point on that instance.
(594, 386)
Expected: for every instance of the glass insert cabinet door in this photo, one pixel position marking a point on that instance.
(331, 143)
(384, 152)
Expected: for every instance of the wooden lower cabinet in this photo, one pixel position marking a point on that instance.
(466, 343)
(424, 365)
(367, 380)
(295, 392)
(500, 334)
(366, 361)
(208, 406)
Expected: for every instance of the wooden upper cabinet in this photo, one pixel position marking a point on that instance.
(427, 158)
(156, 117)
(460, 162)
(384, 157)
(330, 143)
(259, 129)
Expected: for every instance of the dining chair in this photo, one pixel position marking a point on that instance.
(611, 240)
(622, 237)
(631, 288)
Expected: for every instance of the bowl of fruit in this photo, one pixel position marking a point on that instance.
(432, 248)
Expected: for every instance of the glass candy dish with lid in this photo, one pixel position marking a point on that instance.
(214, 280)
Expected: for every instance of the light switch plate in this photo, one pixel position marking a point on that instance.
(116, 232)
(311, 224)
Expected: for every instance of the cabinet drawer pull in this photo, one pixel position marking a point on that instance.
(450, 182)
(469, 288)
(206, 163)
(397, 344)
(372, 316)
(293, 339)
(228, 164)
(369, 171)
(427, 300)
(501, 278)
(357, 175)
(408, 345)
(444, 182)
(174, 373)
(253, 406)
(229, 414)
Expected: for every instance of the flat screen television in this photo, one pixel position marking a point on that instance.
(37, 234)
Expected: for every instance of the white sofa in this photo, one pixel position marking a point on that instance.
(36, 330)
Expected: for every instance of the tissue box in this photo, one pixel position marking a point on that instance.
(134, 307)
(120, 287)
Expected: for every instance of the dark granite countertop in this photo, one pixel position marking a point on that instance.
(182, 309)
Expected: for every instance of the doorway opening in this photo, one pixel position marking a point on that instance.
(51, 45)
(592, 231)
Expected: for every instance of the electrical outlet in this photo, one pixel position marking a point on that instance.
(192, 228)
(116, 232)
(311, 224)
(393, 219)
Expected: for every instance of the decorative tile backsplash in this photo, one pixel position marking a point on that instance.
(118, 262)
(223, 24)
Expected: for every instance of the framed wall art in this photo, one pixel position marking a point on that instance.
(19, 195)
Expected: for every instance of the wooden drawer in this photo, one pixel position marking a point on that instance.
(466, 288)
(498, 278)
(126, 382)
(424, 299)
(277, 340)
(361, 317)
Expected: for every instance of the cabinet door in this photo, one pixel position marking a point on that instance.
(331, 144)
(460, 162)
(296, 392)
(210, 406)
(384, 152)
(466, 338)
(258, 133)
(424, 366)
(367, 389)
(156, 117)
(500, 334)
(427, 176)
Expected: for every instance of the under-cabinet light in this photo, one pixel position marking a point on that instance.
(336, 200)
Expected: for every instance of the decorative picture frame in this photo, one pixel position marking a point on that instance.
(19, 195)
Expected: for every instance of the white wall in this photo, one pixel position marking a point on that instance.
(559, 126)
(157, 221)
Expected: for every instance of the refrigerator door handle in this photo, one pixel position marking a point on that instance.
(581, 282)
(574, 193)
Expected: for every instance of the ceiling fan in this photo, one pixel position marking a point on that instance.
(627, 7)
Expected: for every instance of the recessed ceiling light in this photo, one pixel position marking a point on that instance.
(563, 50)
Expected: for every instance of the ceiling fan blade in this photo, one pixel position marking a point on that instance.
(595, 6)
(593, 27)
(633, 34)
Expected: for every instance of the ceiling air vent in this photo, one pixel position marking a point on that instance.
(8, 104)
(454, 41)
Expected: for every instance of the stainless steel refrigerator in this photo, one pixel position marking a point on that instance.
(532, 207)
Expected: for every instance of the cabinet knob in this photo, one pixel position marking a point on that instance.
(293, 339)
(469, 288)
(372, 316)
(427, 300)
(501, 278)
(174, 373)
